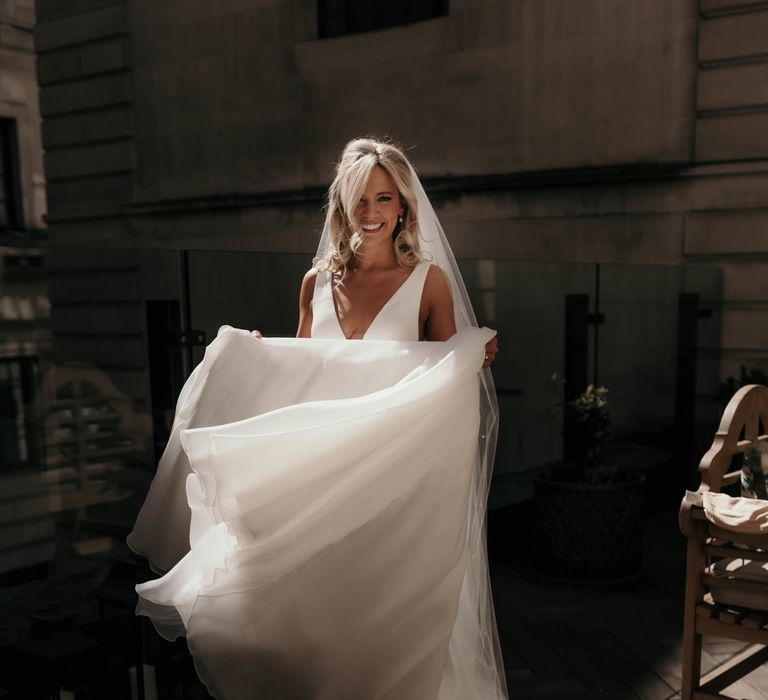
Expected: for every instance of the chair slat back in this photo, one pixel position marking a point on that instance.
(744, 421)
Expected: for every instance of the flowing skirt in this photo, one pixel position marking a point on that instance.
(326, 543)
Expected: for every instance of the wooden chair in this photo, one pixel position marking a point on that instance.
(744, 421)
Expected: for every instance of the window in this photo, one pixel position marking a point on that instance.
(338, 17)
(19, 437)
(10, 180)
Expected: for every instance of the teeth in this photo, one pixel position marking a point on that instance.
(371, 227)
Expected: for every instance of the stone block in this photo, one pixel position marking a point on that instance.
(61, 130)
(62, 260)
(723, 233)
(733, 86)
(745, 281)
(13, 37)
(733, 36)
(609, 239)
(90, 160)
(87, 25)
(127, 353)
(86, 94)
(266, 24)
(53, 9)
(414, 41)
(732, 137)
(68, 129)
(715, 6)
(104, 56)
(82, 61)
(107, 124)
(495, 24)
(745, 328)
(80, 194)
(304, 20)
(113, 286)
(19, 13)
(744, 186)
(97, 317)
(59, 65)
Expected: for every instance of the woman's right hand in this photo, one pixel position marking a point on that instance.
(257, 334)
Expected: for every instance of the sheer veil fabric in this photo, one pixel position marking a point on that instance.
(474, 651)
(320, 513)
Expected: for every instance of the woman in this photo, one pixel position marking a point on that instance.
(337, 524)
(372, 253)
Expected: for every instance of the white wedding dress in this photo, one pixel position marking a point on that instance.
(311, 509)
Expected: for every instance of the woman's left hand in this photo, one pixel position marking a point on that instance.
(491, 350)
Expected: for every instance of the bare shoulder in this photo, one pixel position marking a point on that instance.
(436, 285)
(436, 312)
(305, 304)
(308, 285)
(310, 276)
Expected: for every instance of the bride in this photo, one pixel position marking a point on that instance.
(330, 541)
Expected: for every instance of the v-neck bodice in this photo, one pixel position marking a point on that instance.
(398, 319)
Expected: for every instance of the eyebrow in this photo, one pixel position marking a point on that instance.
(384, 192)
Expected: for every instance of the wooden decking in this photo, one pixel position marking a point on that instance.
(563, 642)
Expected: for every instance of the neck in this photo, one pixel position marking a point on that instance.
(369, 257)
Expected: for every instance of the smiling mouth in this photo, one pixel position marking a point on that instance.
(372, 227)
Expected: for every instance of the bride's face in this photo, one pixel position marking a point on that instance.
(377, 211)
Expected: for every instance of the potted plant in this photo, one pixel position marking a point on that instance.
(589, 510)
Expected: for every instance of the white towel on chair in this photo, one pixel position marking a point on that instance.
(747, 515)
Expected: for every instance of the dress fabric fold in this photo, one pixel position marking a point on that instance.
(312, 511)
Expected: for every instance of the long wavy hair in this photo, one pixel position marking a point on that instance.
(359, 158)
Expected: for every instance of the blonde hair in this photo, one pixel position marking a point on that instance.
(359, 158)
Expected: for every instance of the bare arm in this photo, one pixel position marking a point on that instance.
(305, 304)
(437, 302)
(440, 321)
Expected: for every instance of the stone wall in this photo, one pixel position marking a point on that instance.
(86, 100)
(605, 131)
(19, 100)
(729, 226)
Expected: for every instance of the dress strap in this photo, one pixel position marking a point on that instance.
(323, 288)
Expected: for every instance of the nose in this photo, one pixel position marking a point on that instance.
(367, 208)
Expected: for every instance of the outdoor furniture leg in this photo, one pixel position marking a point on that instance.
(138, 626)
(691, 670)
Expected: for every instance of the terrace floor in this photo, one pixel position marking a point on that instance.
(560, 642)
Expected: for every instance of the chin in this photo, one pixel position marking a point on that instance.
(383, 232)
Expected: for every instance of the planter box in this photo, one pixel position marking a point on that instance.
(589, 533)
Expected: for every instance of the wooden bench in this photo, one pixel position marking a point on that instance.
(744, 422)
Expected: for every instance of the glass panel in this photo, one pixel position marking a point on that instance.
(660, 392)
(246, 290)
(92, 360)
(76, 404)
(525, 303)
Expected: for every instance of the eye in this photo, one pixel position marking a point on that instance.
(385, 198)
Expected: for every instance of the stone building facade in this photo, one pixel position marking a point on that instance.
(553, 137)
(22, 199)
